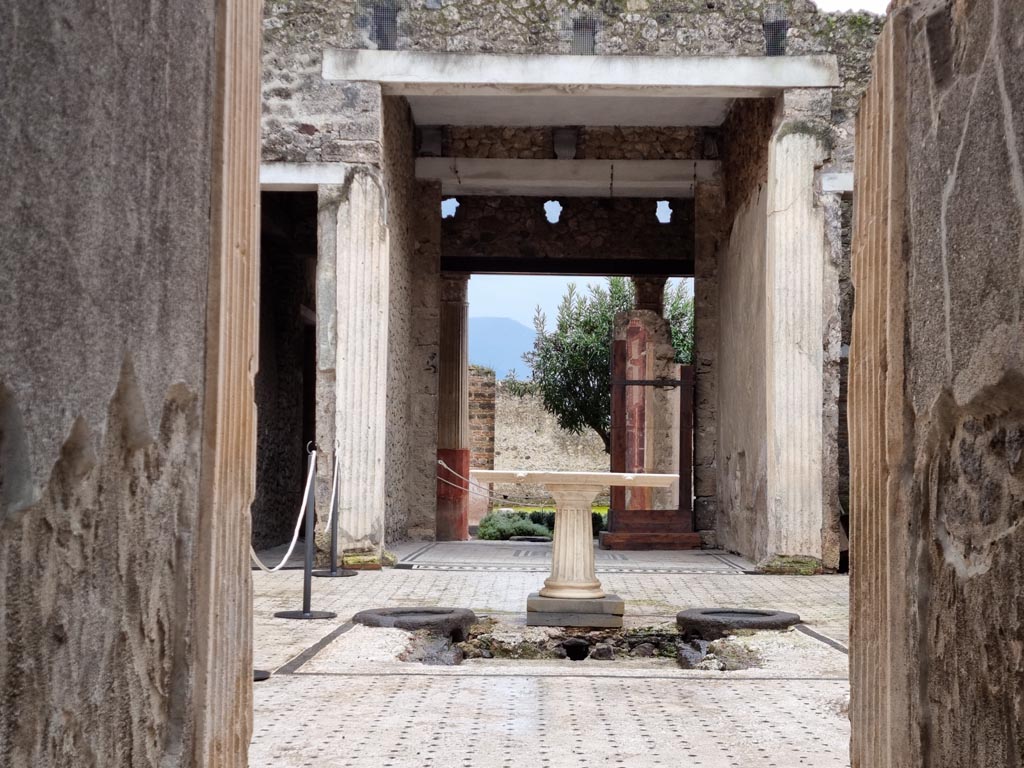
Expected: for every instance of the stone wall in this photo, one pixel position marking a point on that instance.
(482, 409)
(413, 222)
(712, 229)
(111, 228)
(528, 437)
(742, 522)
(308, 120)
(937, 393)
(482, 398)
(592, 143)
(621, 228)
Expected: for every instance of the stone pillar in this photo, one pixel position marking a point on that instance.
(572, 550)
(650, 293)
(352, 349)
(795, 274)
(482, 410)
(453, 411)
(652, 414)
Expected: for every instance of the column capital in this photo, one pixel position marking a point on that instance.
(650, 293)
(455, 287)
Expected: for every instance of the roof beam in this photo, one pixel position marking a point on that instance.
(420, 73)
(566, 178)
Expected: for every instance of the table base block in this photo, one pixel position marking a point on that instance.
(574, 612)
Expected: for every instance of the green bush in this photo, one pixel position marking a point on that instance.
(503, 526)
(598, 523)
(543, 517)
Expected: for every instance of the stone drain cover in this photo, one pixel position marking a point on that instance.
(713, 623)
(450, 622)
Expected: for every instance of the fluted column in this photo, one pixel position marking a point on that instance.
(795, 356)
(453, 446)
(352, 349)
(572, 550)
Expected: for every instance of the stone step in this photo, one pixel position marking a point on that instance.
(649, 540)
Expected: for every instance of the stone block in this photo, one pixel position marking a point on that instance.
(537, 619)
(607, 605)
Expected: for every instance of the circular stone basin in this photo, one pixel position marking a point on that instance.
(713, 623)
(450, 622)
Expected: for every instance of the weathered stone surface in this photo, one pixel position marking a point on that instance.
(713, 623)
(114, 223)
(711, 230)
(450, 622)
(936, 392)
(536, 619)
(742, 521)
(610, 604)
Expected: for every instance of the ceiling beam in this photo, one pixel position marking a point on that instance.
(566, 178)
(421, 73)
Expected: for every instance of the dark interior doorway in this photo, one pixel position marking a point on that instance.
(286, 381)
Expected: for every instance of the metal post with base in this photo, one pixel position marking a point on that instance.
(334, 571)
(307, 575)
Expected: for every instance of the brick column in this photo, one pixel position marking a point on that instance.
(453, 411)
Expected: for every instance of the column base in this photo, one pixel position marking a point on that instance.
(452, 496)
(574, 612)
(554, 589)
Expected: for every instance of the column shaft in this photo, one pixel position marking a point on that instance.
(453, 447)
(352, 349)
(572, 551)
(795, 357)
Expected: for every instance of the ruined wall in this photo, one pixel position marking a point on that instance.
(742, 524)
(528, 437)
(482, 394)
(937, 393)
(619, 228)
(413, 222)
(106, 241)
(482, 397)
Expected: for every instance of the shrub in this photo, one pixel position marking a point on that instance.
(598, 523)
(501, 526)
(544, 517)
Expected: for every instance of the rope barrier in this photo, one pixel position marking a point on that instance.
(298, 523)
(484, 490)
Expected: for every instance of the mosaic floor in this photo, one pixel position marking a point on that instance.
(339, 697)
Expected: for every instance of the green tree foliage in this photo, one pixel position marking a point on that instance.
(572, 362)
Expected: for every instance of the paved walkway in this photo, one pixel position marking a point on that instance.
(339, 696)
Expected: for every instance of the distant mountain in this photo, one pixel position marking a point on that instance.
(499, 343)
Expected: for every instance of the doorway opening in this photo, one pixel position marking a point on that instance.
(286, 381)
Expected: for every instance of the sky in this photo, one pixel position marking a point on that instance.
(516, 297)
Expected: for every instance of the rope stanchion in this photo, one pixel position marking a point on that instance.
(310, 474)
(307, 575)
(332, 520)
